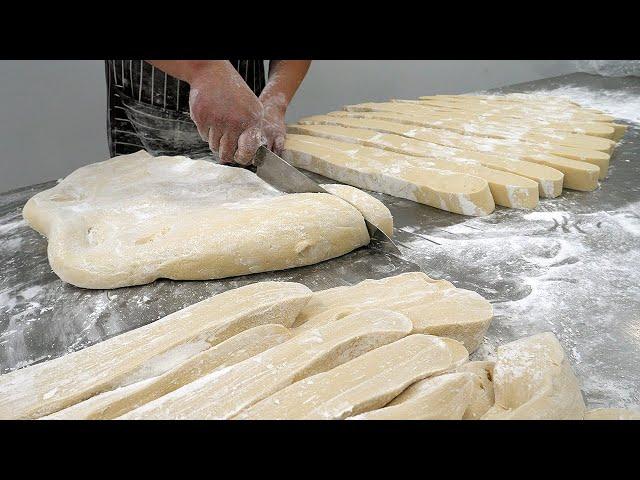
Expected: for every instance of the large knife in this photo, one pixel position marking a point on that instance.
(287, 178)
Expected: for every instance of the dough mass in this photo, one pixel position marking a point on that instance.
(135, 218)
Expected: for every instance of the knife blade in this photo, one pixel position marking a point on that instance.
(280, 174)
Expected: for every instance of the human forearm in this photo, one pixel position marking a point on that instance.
(285, 76)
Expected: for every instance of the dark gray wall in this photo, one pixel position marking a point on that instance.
(52, 113)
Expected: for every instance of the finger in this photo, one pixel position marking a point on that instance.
(228, 146)
(278, 145)
(248, 144)
(215, 135)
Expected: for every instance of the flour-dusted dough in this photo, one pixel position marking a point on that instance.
(508, 130)
(135, 218)
(117, 402)
(563, 117)
(434, 307)
(533, 380)
(454, 192)
(147, 351)
(445, 397)
(224, 393)
(612, 414)
(371, 208)
(484, 398)
(549, 179)
(445, 184)
(580, 172)
(365, 383)
(524, 115)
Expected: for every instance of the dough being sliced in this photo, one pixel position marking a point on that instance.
(365, 383)
(483, 398)
(488, 128)
(117, 402)
(458, 193)
(549, 179)
(135, 218)
(147, 351)
(371, 208)
(533, 380)
(224, 393)
(612, 414)
(445, 397)
(443, 184)
(434, 307)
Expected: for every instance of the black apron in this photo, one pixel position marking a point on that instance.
(149, 109)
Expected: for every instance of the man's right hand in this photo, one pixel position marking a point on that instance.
(227, 113)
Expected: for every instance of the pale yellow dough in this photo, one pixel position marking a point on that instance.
(225, 393)
(135, 218)
(117, 402)
(533, 380)
(450, 185)
(506, 130)
(434, 307)
(549, 179)
(365, 383)
(147, 351)
(581, 168)
(445, 397)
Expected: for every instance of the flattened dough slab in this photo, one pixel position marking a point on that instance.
(581, 169)
(443, 184)
(458, 193)
(135, 218)
(225, 393)
(117, 402)
(434, 307)
(365, 383)
(549, 179)
(48, 387)
(445, 397)
(533, 380)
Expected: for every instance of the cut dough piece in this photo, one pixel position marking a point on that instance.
(445, 397)
(366, 383)
(547, 108)
(396, 174)
(454, 192)
(549, 179)
(579, 175)
(612, 414)
(530, 117)
(135, 218)
(117, 402)
(484, 397)
(225, 393)
(371, 208)
(492, 129)
(527, 151)
(147, 351)
(533, 380)
(435, 307)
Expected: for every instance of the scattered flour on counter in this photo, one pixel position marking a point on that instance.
(616, 103)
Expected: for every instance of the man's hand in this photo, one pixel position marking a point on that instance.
(274, 127)
(285, 77)
(227, 113)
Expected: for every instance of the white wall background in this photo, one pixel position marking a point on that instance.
(53, 118)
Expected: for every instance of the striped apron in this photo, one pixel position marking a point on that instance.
(149, 109)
